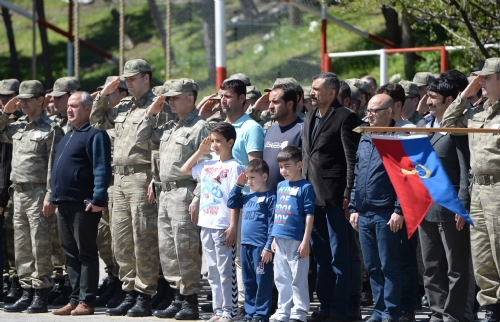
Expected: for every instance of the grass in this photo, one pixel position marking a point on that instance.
(263, 51)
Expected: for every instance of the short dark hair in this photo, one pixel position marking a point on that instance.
(289, 94)
(223, 128)
(236, 85)
(456, 78)
(370, 80)
(147, 73)
(445, 87)
(257, 165)
(394, 90)
(331, 80)
(121, 90)
(290, 152)
(344, 91)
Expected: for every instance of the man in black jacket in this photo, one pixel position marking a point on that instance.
(329, 147)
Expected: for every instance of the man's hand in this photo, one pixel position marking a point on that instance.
(230, 234)
(208, 108)
(194, 210)
(422, 106)
(472, 88)
(353, 220)
(242, 179)
(156, 106)
(1, 211)
(151, 195)
(11, 106)
(266, 256)
(460, 222)
(396, 222)
(46, 101)
(110, 87)
(304, 249)
(91, 207)
(262, 103)
(273, 245)
(48, 208)
(345, 205)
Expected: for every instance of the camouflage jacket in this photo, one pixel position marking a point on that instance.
(484, 148)
(34, 148)
(124, 118)
(62, 121)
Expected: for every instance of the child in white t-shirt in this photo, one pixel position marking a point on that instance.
(218, 223)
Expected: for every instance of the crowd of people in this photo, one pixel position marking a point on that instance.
(275, 190)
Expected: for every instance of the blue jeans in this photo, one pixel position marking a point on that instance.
(409, 269)
(381, 252)
(356, 272)
(331, 246)
(2, 219)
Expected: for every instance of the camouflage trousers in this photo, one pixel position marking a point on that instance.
(179, 241)
(33, 233)
(134, 224)
(104, 238)
(9, 263)
(58, 258)
(485, 242)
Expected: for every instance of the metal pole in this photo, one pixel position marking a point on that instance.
(167, 43)
(383, 67)
(220, 43)
(444, 59)
(76, 43)
(33, 43)
(122, 36)
(69, 46)
(324, 60)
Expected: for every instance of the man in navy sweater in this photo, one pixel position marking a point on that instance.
(80, 179)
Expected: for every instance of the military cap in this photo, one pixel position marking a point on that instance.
(491, 66)
(242, 77)
(64, 85)
(253, 92)
(355, 93)
(307, 92)
(9, 86)
(183, 85)
(30, 88)
(159, 90)
(218, 96)
(109, 79)
(286, 81)
(360, 84)
(134, 67)
(411, 89)
(423, 78)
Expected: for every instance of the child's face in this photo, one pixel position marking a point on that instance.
(290, 170)
(220, 145)
(255, 180)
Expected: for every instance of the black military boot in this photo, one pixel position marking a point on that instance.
(118, 296)
(167, 298)
(492, 313)
(56, 290)
(126, 305)
(40, 301)
(103, 287)
(6, 286)
(174, 307)
(189, 310)
(63, 298)
(354, 308)
(142, 306)
(23, 303)
(15, 291)
(160, 293)
(105, 297)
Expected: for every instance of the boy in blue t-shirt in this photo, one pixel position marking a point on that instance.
(256, 254)
(293, 221)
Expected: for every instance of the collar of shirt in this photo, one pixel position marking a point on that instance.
(188, 118)
(83, 128)
(239, 122)
(143, 99)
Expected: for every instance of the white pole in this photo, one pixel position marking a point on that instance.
(383, 67)
(220, 42)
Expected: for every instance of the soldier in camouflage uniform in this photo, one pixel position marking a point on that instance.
(134, 219)
(178, 232)
(365, 90)
(34, 138)
(485, 164)
(409, 109)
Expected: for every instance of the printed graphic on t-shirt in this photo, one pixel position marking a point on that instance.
(284, 207)
(252, 209)
(211, 190)
(276, 145)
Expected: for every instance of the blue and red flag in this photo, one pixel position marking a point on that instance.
(418, 177)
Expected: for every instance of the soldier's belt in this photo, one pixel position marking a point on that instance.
(487, 179)
(131, 169)
(167, 186)
(22, 187)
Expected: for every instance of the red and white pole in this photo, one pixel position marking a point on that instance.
(220, 43)
(325, 59)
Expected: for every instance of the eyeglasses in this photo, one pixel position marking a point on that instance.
(368, 112)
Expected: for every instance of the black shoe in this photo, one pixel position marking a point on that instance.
(40, 301)
(15, 291)
(167, 299)
(207, 307)
(424, 301)
(23, 303)
(160, 293)
(174, 307)
(104, 298)
(317, 318)
(491, 314)
(355, 316)
(63, 298)
(387, 320)
(142, 307)
(189, 310)
(118, 296)
(103, 287)
(407, 317)
(56, 290)
(366, 299)
(370, 319)
(124, 306)
(6, 286)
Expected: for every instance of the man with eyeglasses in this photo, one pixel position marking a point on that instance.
(409, 110)
(34, 138)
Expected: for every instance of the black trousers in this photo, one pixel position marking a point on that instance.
(78, 233)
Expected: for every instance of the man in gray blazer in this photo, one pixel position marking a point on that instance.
(445, 236)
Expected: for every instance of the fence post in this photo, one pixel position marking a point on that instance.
(220, 43)
(383, 67)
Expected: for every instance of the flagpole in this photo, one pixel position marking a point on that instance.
(368, 129)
